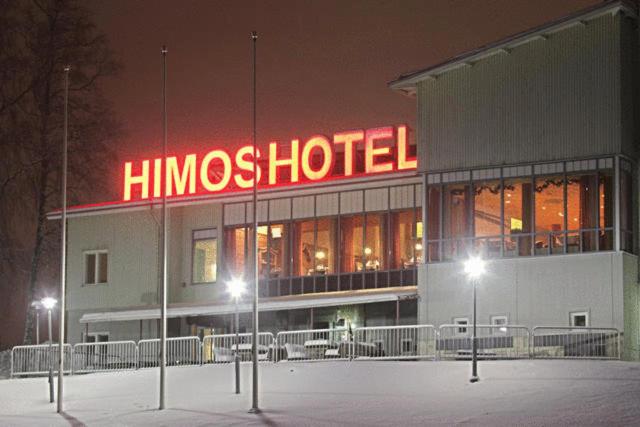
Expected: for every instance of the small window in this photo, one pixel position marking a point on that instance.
(461, 321)
(501, 323)
(96, 267)
(580, 319)
(205, 256)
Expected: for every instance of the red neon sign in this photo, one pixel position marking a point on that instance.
(382, 150)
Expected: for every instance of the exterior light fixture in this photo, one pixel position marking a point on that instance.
(48, 302)
(236, 288)
(474, 267)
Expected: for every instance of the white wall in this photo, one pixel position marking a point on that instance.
(530, 291)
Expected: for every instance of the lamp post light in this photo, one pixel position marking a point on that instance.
(48, 303)
(37, 305)
(474, 267)
(236, 288)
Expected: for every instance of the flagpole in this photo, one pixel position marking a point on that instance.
(163, 303)
(254, 336)
(63, 243)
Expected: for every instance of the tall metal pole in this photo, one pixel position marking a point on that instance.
(37, 326)
(254, 336)
(237, 356)
(474, 342)
(163, 303)
(63, 243)
(51, 399)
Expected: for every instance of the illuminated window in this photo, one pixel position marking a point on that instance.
(351, 244)
(205, 256)
(626, 208)
(456, 212)
(235, 246)
(325, 250)
(486, 212)
(403, 242)
(375, 242)
(303, 248)
(550, 215)
(582, 207)
(278, 250)
(96, 267)
(263, 254)
(517, 216)
(433, 227)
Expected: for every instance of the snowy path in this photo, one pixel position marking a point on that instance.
(342, 393)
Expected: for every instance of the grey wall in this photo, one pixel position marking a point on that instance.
(560, 98)
(531, 291)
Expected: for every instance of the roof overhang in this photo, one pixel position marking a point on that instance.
(407, 83)
(328, 299)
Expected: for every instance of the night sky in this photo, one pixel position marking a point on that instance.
(323, 66)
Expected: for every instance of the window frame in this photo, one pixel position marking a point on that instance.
(466, 327)
(96, 271)
(497, 328)
(193, 252)
(574, 314)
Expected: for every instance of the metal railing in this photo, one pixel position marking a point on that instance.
(395, 342)
(36, 359)
(494, 342)
(313, 344)
(180, 351)
(105, 356)
(222, 348)
(575, 342)
(381, 342)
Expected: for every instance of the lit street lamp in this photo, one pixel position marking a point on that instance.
(474, 267)
(48, 303)
(236, 288)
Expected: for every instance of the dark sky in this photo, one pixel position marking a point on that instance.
(323, 65)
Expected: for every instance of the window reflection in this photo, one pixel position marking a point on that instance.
(351, 234)
(235, 251)
(375, 248)
(325, 256)
(517, 216)
(582, 207)
(457, 202)
(550, 215)
(303, 248)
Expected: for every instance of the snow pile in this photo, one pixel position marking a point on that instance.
(526, 392)
(5, 364)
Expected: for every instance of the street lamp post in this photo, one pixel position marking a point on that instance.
(37, 305)
(474, 267)
(236, 288)
(49, 303)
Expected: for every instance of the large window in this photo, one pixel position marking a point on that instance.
(205, 254)
(325, 254)
(403, 242)
(278, 254)
(304, 251)
(351, 244)
(544, 209)
(235, 248)
(375, 242)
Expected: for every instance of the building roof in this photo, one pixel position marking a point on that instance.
(406, 83)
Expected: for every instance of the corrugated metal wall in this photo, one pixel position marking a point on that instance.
(547, 99)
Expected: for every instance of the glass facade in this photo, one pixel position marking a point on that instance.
(568, 211)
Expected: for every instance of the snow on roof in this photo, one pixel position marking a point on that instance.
(273, 304)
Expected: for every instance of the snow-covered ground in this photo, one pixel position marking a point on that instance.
(344, 393)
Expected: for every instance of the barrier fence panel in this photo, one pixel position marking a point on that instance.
(395, 342)
(105, 356)
(180, 351)
(494, 342)
(314, 344)
(576, 342)
(35, 359)
(222, 348)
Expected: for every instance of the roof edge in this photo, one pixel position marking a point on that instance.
(407, 82)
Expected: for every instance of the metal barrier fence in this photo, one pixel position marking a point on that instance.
(575, 342)
(105, 356)
(35, 359)
(313, 344)
(384, 342)
(395, 342)
(180, 351)
(222, 348)
(494, 342)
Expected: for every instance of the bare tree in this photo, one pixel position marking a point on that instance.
(50, 34)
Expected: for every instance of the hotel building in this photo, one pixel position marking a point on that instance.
(526, 154)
